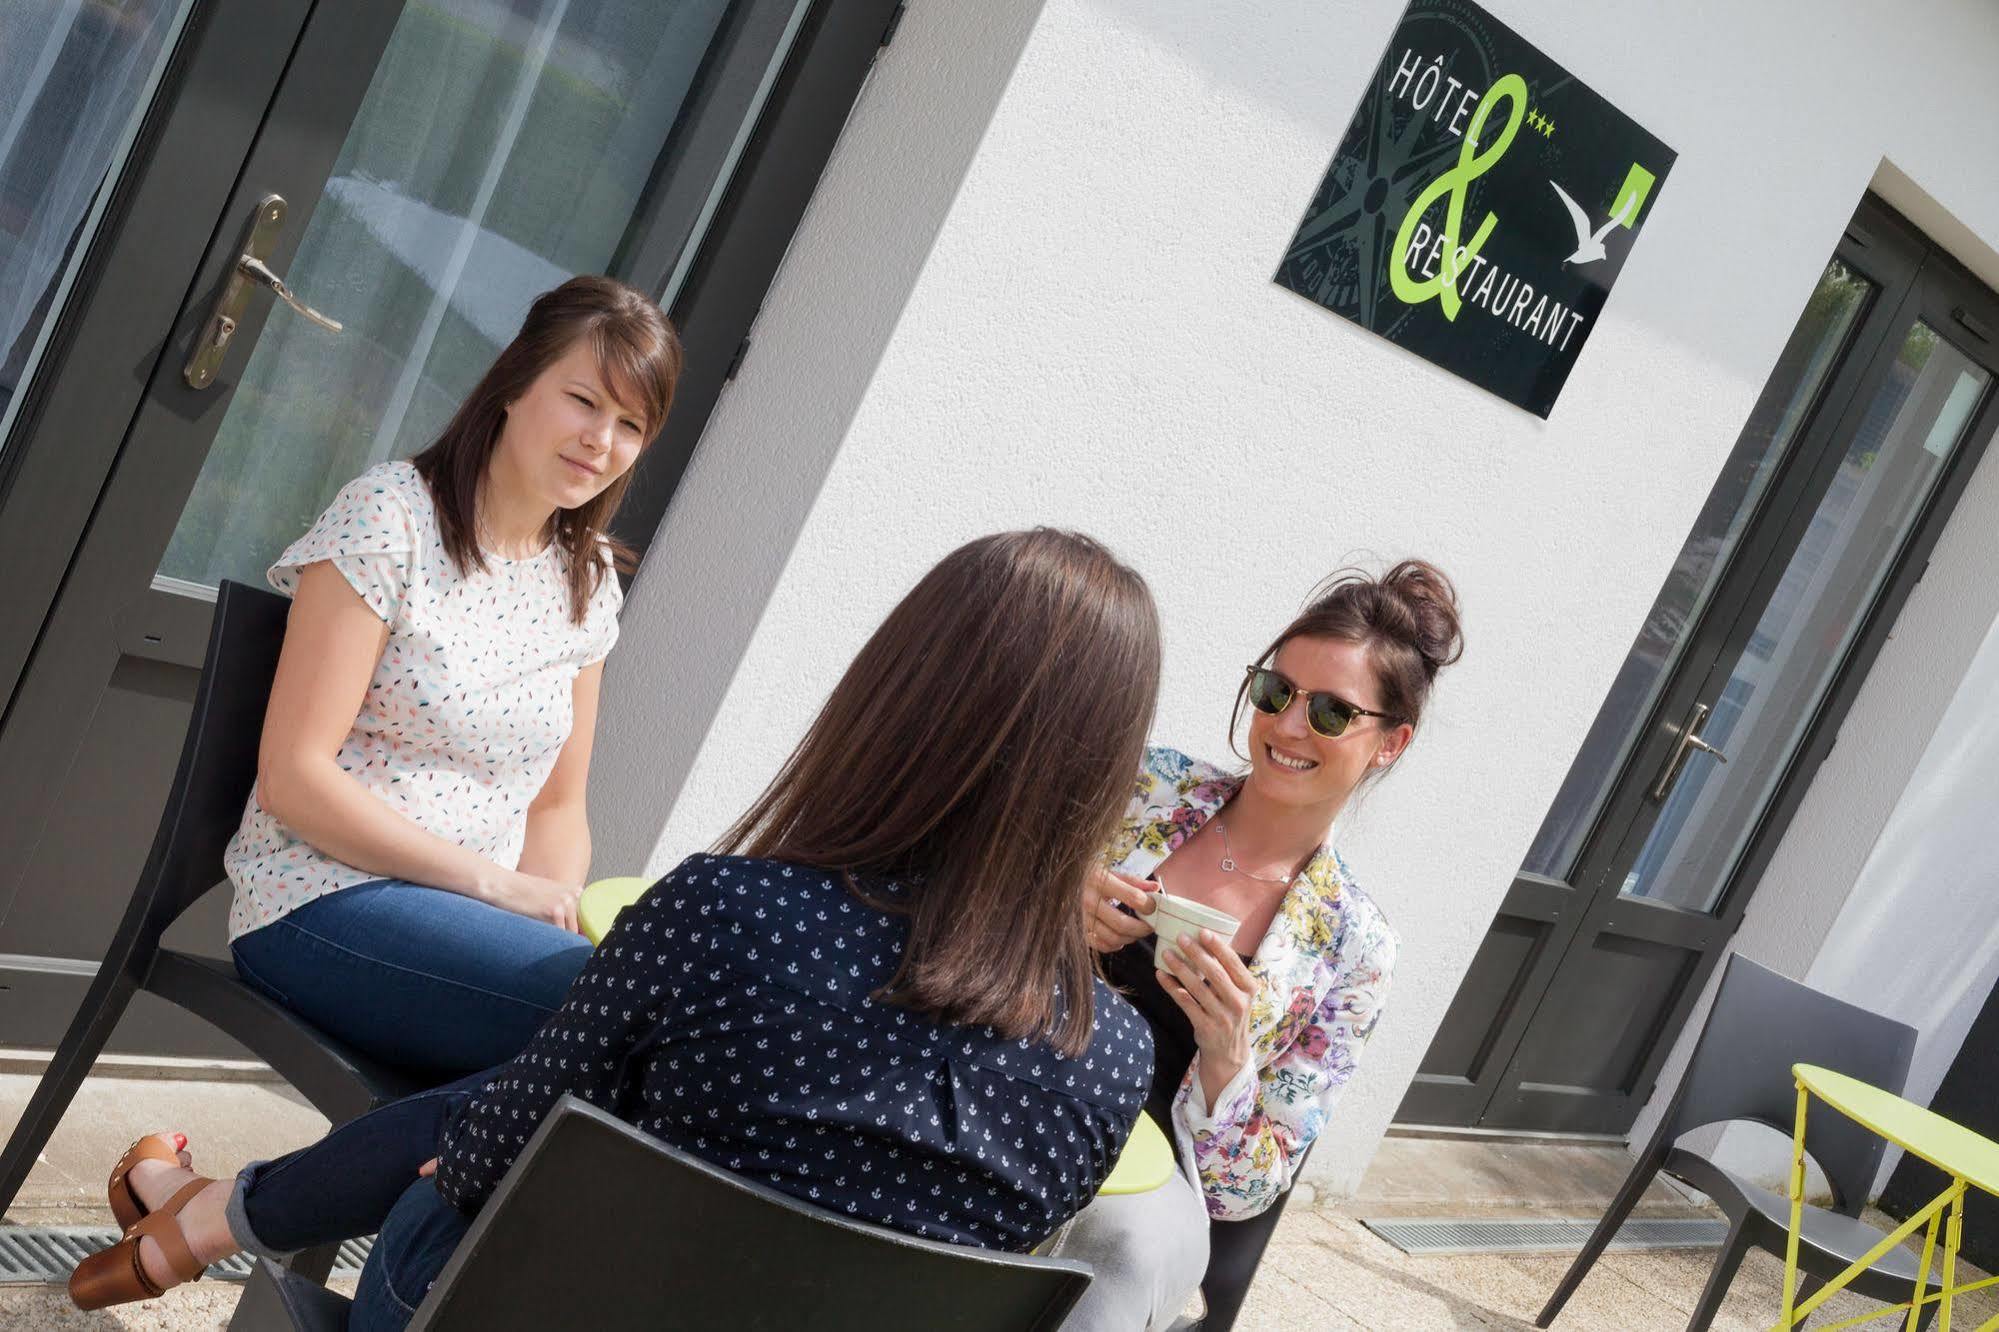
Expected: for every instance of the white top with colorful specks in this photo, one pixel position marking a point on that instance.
(470, 703)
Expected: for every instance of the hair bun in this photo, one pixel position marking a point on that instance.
(1407, 619)
(1429, 602)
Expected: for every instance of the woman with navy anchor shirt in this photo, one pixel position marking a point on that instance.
(877, 996)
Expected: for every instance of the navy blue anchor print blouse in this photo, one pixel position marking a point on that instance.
(728, 1012)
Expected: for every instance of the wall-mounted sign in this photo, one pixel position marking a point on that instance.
(1480, 206)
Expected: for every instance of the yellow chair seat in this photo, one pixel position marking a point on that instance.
(603, 900)
(1146, 1163)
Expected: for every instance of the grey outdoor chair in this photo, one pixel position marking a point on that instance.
(218, 764)
(1761, 1025)
(599, 1225)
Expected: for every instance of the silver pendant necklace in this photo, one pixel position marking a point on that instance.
(1228, 859)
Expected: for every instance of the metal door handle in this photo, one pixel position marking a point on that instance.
(249, 273)
(259, 272)
(1690, 739)
(1695, 742)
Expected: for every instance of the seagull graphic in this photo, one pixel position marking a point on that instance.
(1589, 248)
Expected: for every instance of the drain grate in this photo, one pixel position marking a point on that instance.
(44, 1255)
(1441, 1235)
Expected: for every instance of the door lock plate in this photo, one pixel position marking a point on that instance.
(1688, 741)
(249, 273)
(265, 225)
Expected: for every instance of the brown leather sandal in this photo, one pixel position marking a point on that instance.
(125, 1204)
(117, 1276)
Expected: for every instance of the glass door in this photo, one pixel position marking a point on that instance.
(1833, 314)
(1880, 403)
(1762, 702)
(420, 169)
(1669, 891)
(502, 146)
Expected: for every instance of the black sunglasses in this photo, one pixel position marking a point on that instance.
(1328, 714)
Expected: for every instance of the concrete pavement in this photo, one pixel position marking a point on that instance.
(1323, 1271)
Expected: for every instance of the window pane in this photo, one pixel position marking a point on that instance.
(1802, 636)
(1836, 305)
(75, 78)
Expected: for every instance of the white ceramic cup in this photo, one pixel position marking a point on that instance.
(1174, 918)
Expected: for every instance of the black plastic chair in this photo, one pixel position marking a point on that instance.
(218, 765)
(1760, 1025)
(598, 1225)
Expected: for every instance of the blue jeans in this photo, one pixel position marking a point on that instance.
(415, 977)
(417, 1239)
(360, 1179)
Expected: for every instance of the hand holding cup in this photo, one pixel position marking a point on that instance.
(1107, 928)
(1201, 972)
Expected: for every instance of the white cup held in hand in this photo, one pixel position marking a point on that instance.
(1176, 918)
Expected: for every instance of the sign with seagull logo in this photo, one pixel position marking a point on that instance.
(1480, 207)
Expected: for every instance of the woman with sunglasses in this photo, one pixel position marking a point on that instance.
(1256, 1035)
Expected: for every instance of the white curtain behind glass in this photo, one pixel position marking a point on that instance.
(503, 145)
(1927, 891)
(71, 75)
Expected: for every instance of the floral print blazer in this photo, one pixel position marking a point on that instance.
(1324, 964)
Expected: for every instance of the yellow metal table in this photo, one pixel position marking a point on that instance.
(1970, 1159)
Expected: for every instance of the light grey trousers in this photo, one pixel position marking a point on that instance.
(1149, 1251)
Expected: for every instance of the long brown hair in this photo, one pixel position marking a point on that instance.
(1407, 620)
(980, 750)
(639, 356)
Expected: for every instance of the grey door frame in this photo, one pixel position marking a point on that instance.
(258, 97)
(1552, 920)
(136, 273)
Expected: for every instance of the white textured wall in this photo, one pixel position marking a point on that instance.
(1070, 321)
(774, 435)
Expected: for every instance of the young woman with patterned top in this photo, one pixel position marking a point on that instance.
(876, 997)
(407, 871)
(1256, 1035)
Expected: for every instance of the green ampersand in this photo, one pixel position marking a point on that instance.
(1473, 161)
